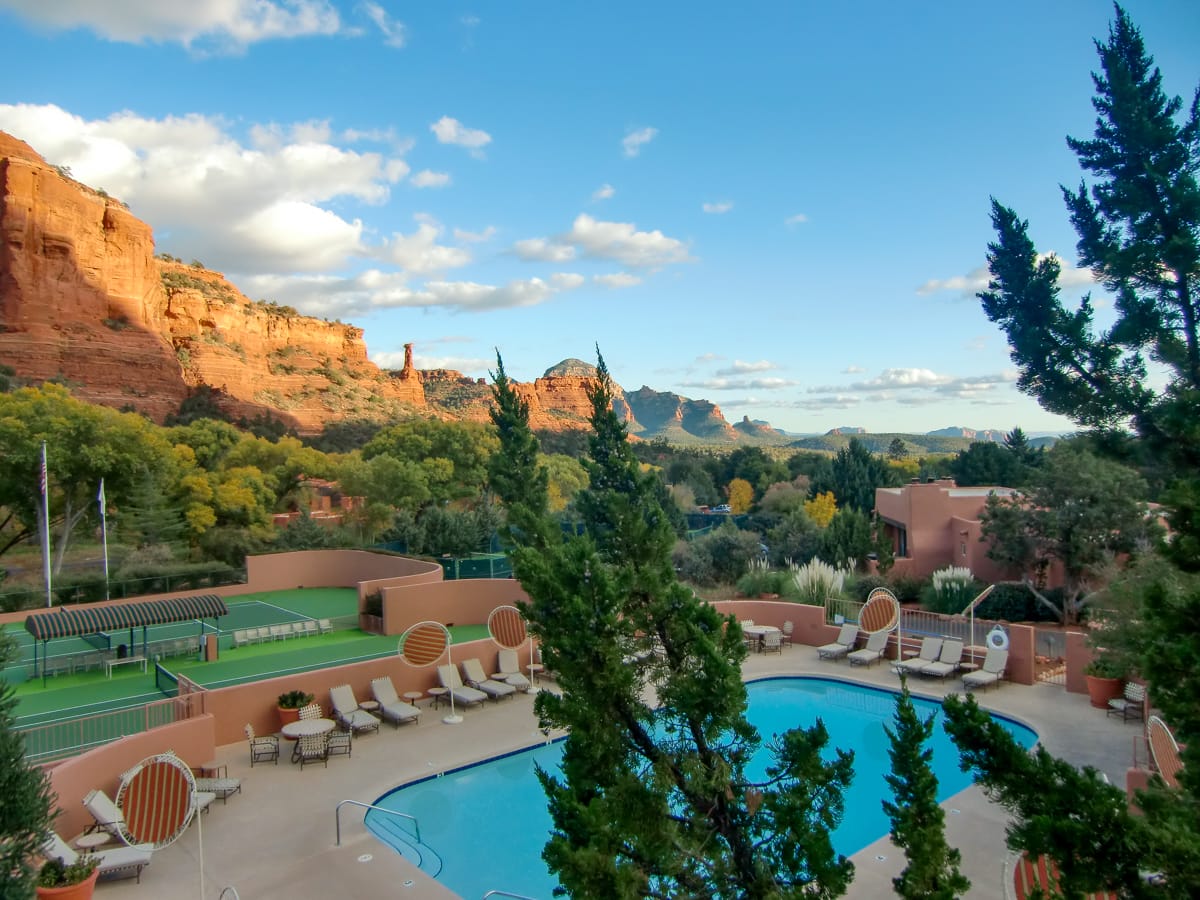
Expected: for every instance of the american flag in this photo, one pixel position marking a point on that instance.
(42, 473)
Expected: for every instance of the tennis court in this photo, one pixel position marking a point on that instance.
(70, 655)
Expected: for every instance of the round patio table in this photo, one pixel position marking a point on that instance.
(308, 727)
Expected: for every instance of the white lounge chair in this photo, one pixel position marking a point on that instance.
(391, 707)
(931, 647)
(124, 861)
(873, 651)
(475, 677)
(347, 711)
(510, 670)
(449, 678)
(990, 672)
(948, 660)
(840, 647)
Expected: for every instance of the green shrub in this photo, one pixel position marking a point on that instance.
(1016, 603)
(81, 587)
(860, 588)
(762, 579)
(908, 588)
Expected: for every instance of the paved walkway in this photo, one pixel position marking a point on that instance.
(276, 838)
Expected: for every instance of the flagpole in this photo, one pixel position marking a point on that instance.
(104, 533)
(45, 489)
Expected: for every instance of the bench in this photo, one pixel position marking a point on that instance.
(110, 664)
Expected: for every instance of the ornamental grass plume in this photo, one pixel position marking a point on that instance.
(816, 580)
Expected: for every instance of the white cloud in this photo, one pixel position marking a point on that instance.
(427, 179)
(617, 280)
(632, 142)
(967, 286)
(621, 241)
(543, 250)
(452, 131)
(853, 370)
(201, 24)
(211, 196)
(475, 237)
(392, 29)
(740, 368)
(797, 219)
(716, 209)
(604, 192)
(420, 253)
(740, 384)
(917, 387)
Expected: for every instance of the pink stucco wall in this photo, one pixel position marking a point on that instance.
(465, 602)
(192, 740)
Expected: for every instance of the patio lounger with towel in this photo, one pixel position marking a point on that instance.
(510, 670)
(930, 648)
(991, 672)
(947, 661)
(840, 647)
(391, 707)
(473, 669)
(347, 711)
(449, 678)
(876, 644)
(122, 861)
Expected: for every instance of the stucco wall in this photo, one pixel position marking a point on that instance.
(192, 740)
(333, 568)
(465, 602)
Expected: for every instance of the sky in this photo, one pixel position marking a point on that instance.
(780, 207)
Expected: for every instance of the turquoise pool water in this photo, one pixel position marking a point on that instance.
(483, 827)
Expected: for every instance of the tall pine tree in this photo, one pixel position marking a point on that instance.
(654, 799)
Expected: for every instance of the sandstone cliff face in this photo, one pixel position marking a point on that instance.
(83, 299)
(675, 417)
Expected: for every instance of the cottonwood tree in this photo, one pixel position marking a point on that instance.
(1080, 512)
(918, 821)
(654, 798)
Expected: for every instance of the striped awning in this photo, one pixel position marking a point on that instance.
(79, 620)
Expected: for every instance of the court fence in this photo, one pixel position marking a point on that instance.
(70, 737)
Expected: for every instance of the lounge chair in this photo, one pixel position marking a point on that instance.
(510, 670)
(391, 707)
(121, 862)
(872, 652)
(348, 713)
(223, 788)
(106, 816)
(449, 678)
(990, 672)
(475, 677)
(325, 625)
(948, 660)
(840, 647)
(262, 749)
(1132, 705)
(930, 648)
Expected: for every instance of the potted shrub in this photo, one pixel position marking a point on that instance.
(1105, 680)
(73, 882)
(290, 703)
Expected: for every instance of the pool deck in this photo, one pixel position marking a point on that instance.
(276, 839)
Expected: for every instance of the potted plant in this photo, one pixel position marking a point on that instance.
(73, 882)
(1105, 680)
(290, 703)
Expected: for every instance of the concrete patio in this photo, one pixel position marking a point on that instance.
(277, 838)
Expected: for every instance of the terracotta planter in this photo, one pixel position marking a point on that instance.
(287, 715)
(81, 891)
(1101, 690)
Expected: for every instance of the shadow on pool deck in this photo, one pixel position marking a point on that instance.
(276, 838)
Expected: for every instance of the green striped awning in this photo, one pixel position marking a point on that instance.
(79, 620)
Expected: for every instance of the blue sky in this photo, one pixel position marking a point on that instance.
(778, 207)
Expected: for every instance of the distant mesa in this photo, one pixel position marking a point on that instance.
(574, 368)
(987, 434)
(847, 429)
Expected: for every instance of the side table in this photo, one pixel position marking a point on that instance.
(437, 693)
(88, 843)
(369, 705)
(411, 697)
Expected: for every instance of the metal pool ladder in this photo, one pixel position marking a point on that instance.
(337, 815)
(507, 894)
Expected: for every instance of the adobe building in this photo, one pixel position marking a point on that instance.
(934, 524)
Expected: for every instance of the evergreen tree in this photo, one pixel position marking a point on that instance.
(897, 449)
(918, 821)
(26, 805)
(854, 475)
(654, 799)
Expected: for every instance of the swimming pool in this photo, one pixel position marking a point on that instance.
(483, 827)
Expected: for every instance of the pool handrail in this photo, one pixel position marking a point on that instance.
(506, 894)
(337, 815)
